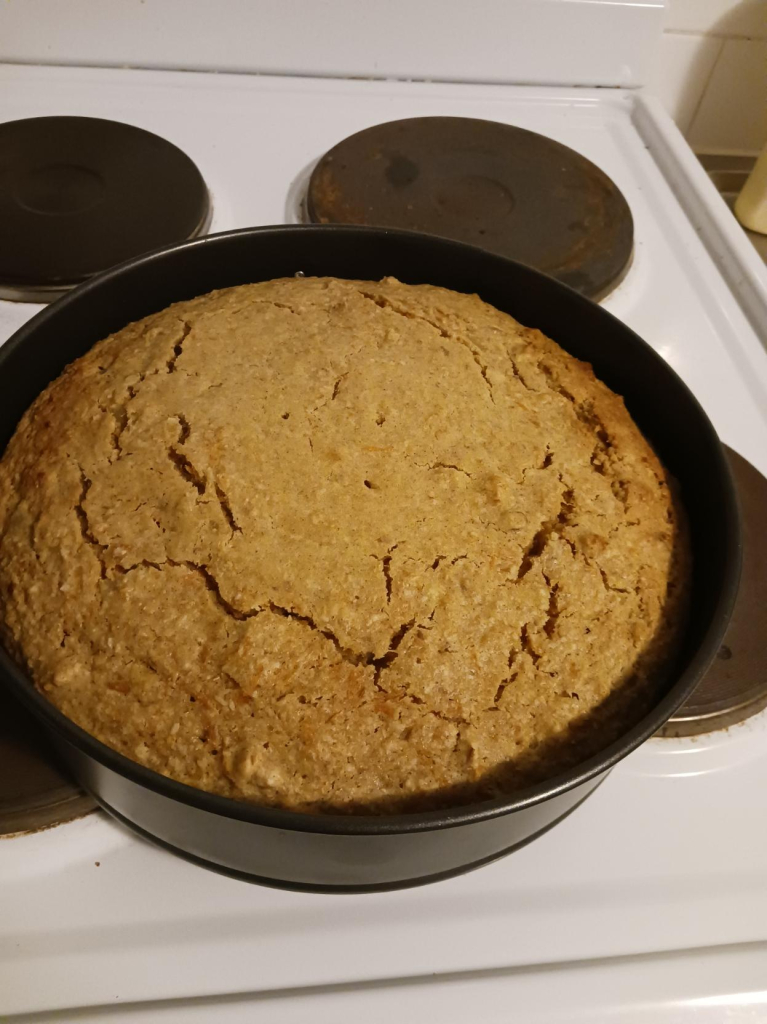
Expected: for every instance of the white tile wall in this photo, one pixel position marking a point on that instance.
(712, 72)
(685, 66)
(729, 18)
(732, 115)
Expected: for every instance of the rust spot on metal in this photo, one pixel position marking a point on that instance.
(508, 190)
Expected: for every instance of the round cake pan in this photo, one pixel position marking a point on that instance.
(365, 853)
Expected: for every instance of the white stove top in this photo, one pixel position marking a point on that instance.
(669, 853)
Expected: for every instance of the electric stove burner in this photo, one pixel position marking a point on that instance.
(735, 686)
(502, 188)
(79, 195)
(34, 794)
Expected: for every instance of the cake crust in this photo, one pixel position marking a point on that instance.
(339, 546)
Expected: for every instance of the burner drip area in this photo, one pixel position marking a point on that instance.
(80, 194)
(502, 188)
(735, 687)
(34, 794)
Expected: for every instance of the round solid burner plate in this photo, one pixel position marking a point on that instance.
(735, 687)
(502, 188)
(80, 194)
(34, 794)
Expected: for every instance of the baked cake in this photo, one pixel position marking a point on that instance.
(344, 546)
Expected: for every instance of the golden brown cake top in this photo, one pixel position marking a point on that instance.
(321, 543)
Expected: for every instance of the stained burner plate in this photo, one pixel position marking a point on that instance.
(34, 793)
(79, 195)
(735, 686)
(496, 186)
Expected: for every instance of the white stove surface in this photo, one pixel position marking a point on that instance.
(650, 902)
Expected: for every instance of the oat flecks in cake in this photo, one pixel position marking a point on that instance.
(326, 544)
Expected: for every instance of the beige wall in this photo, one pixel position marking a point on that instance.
(712, 73)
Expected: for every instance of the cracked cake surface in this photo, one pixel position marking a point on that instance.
(336, 545)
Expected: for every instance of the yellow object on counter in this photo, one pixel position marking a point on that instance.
(751, 204)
